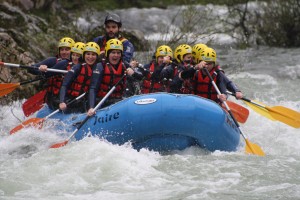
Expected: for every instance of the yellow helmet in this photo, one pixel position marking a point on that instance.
(208, 55)
(66, 42)
(182, 50)
(113, 44)
(93, 47)
(78, 47)
(163, 50)
(197, 49)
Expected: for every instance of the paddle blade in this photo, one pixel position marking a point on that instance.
(260, 110)
(58, 145)
(7, 88)
(240, 113)
(34, 103)
(285, 115)
(252, 148)
(35, 122)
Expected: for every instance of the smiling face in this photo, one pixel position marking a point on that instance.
(90, 57)
(114, 56)
(65, 52)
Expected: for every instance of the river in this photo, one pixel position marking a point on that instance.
(94, 169)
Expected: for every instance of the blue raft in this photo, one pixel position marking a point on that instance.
(160, 122)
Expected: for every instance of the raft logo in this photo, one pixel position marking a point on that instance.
(145, 101)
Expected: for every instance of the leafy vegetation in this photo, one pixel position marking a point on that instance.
(119, 4)
(280, 24)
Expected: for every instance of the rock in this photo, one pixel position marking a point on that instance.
(27, 4)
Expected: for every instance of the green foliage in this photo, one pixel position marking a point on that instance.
(280, 24)
(119, 4)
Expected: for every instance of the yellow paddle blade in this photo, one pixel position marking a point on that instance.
(285, 115)
(7, 88)
(35, 122)
(260, 110)
(252, 148)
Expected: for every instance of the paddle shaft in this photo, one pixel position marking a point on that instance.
(224, 102)
(97, 106)
(57, 110)
(31, 81)
(32, 67)
(229, 111)
(248, 100)
(88, 117)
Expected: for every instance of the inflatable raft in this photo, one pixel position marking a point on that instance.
(160, 122)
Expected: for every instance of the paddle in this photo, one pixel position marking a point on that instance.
(37, 122)
(6, 88)
(61, 144)
(34, 103)
(280, 113)
(240, 113)
(32, 67)
(250, 147)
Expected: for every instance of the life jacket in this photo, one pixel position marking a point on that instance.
(149, 85)
(167, 81)
(219, 69)
(187, 85)
(54, 83)
(103, 41)
(110, 77)
(82, 82)
(203, 86)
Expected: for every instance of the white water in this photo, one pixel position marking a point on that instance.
(94, 169)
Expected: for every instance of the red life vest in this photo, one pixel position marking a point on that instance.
(110, 77)
(149, 85)
(82, 82)
(203, 86)
(54, 83)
